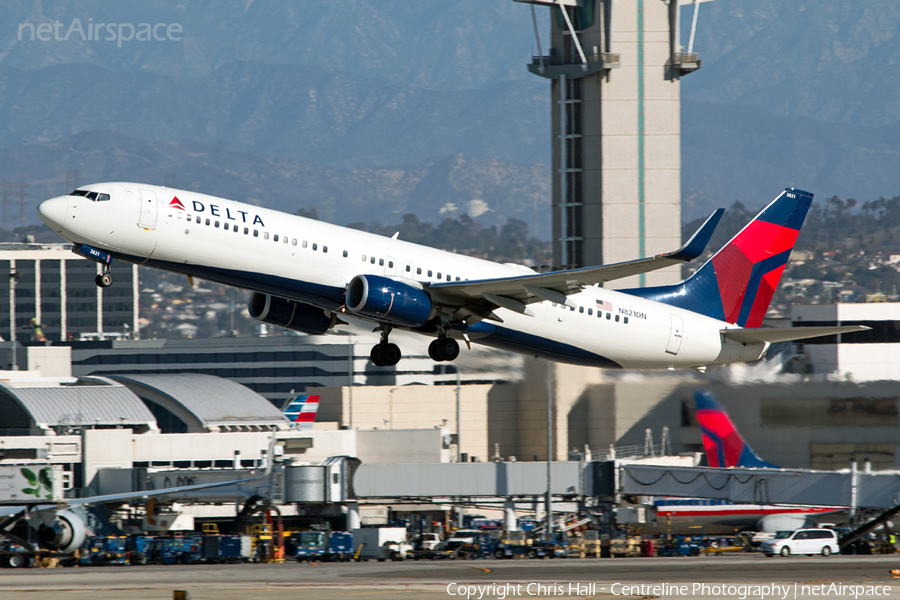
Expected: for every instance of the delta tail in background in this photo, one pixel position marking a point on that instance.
(726, 448)
(722, 442)
(310, 276)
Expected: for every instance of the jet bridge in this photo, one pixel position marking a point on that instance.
(852, 488)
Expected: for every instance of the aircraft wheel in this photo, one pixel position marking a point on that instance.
(447, 348)
(377, 356)
(15, 561)
(785, 551)
(433, 351)
(392, 354)
(103, 280)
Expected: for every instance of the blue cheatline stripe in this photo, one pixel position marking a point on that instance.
(640, 49)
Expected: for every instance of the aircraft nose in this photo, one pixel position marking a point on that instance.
(53, 211)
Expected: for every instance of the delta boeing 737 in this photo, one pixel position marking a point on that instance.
(309, 276)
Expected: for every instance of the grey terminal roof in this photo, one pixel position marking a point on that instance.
(206, 403)
(86, 402)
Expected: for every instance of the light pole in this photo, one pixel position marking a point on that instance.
(549, 526)
(458, 426)
(13, 279)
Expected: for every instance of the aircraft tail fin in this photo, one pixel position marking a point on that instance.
(301, 411)
(736, 285)
(724, 445)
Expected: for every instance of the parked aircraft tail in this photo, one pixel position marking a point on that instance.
(723, 443)
(736, 285)
(302, 411)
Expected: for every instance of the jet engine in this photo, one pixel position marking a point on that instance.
(388, 301)
(297, 316)
(784, 522)
(64, 532)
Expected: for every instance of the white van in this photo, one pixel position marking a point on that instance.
(802, 541)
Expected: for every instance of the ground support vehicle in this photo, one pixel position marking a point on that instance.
(14, 556)
(101, 551)
(586, 544)
(623, 547)
(802, 541)
(442, 551)
(427, 541)
(136, 547)
(514, 543)
(381, 543)
(680, 546)
(322, 545)
(174, 551)
(225, 548)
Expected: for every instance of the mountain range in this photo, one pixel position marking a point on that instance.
(367, 110)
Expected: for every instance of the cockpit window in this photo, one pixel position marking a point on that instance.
(93, 196)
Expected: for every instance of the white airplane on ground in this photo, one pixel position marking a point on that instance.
(307, 275)
(61, 530)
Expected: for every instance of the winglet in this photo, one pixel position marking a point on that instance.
(695, 246)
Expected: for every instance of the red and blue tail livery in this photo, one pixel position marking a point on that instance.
(737, 284)
(302, 411)
(722, 442)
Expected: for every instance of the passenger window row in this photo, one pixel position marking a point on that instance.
(293, 241)
(590, 312)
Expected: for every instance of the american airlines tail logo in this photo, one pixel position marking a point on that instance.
(176, 203)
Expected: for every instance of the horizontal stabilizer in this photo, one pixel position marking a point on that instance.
(786, 334)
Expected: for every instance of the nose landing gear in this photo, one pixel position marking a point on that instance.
(385, 354)
(105, 278)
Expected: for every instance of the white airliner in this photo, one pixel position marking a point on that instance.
(306, 275)
(61, 530)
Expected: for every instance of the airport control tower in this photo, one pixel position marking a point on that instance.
(615, 68)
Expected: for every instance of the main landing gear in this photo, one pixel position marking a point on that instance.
(385, 354)
(105, 278)
(443, 348)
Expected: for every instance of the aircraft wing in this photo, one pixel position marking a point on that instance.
(786, 334)
(515, 292)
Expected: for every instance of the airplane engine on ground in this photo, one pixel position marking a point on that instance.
(388, 301)
(784, 522)
(63, 532)
(297, 316)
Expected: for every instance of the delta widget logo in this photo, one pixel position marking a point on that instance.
(176, 203)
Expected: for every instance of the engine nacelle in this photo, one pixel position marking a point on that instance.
(388, 300)
(66, 532)
(784, 522)
(297, 316)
